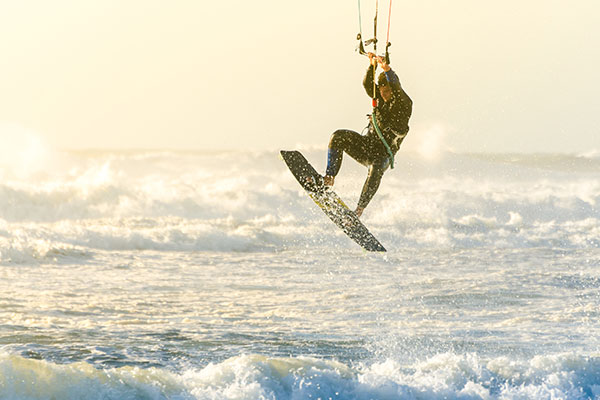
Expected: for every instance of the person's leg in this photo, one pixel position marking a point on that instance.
(343, 140)
(371, 185)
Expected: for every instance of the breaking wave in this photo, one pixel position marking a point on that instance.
(84, 202)
(447, 375)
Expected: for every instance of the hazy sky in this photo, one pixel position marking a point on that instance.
(484, 75)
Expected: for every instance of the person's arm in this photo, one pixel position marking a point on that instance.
(393, 79)
(368, 81)
(390, 75)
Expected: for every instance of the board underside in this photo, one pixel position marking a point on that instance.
(331, 204)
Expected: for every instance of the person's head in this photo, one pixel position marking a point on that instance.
(385, 90)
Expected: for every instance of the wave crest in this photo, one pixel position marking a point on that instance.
(447, 375)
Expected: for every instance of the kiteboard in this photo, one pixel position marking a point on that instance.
(329, 201)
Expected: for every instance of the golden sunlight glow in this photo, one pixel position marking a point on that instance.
(504, 76)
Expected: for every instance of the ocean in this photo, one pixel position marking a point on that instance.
(212, 275)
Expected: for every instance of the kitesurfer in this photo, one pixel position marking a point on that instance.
(392, 110)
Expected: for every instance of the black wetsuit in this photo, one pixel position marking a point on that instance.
(369, 150)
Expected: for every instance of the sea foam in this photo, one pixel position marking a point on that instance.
(253, 376)
(197, 201)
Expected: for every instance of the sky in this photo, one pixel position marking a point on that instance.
(484, 76)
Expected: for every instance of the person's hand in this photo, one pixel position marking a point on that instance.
(375, 59)
(385, 66)
(372, 58)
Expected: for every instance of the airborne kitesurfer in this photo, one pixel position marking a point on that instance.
(392, 110)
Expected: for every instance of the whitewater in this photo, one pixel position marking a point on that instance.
(212, 275)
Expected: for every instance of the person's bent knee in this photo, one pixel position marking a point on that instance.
(338, 138)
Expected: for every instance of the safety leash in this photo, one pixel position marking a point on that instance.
(387, 146)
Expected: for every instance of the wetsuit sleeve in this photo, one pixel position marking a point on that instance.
(394, 81)
(368, 81)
